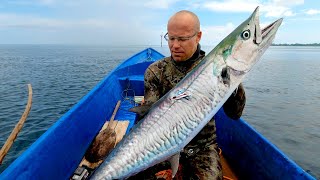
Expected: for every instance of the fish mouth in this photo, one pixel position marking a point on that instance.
(265, 31)
(266, 35)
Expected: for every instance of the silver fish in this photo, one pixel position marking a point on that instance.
(178, 117)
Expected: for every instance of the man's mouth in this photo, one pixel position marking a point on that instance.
(175, 52)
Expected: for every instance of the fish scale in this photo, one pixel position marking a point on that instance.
(179, 116)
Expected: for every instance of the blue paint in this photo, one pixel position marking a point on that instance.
(253, 156)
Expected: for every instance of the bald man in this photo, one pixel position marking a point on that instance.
(200, 158)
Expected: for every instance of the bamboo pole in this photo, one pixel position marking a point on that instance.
(4, 150)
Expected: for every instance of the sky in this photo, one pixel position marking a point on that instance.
(129, 22)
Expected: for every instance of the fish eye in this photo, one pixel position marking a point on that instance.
(246, 34)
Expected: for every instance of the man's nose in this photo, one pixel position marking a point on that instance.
(175, 43)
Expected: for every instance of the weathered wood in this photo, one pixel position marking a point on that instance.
(115, 112)
(6, 147)
(103, 142)
(120, 128)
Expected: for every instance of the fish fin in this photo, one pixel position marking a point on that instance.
(174, 161)
(140, 110)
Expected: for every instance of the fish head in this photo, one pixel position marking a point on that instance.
(243, 47)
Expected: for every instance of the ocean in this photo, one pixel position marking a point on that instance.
(283, 92)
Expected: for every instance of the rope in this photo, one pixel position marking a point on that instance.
(126, 91)
(149, 52)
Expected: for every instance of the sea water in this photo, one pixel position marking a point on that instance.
(283, 92)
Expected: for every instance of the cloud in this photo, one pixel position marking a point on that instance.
(231, 6)
(32, 2)
(28, 21)
(212, 35)
(312, 12)
(84, 31)
(46, 2)
(126, 21)
(287, 3)
(275, 8)
(84, 22)
(159, 4)
(276, 11)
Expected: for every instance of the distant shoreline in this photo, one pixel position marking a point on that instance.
(296, 44)
(150, 45)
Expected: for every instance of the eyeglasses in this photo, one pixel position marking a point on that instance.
(179, 39)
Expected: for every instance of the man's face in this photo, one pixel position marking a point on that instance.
(183, 39)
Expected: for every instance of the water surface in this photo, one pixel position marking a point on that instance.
(283, 92)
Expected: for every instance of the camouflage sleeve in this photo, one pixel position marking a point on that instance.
(234, 106)
(151, 87)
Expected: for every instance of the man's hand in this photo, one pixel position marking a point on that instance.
(234, 106)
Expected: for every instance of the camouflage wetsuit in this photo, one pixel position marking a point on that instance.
(200, 158)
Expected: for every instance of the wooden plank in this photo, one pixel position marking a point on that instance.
(120, 128)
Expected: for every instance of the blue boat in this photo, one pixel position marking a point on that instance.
(58, 152)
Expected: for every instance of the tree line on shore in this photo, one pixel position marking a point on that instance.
(296, 44)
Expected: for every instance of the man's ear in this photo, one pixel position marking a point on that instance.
(199, 35)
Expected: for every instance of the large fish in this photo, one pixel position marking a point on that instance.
(177, 117)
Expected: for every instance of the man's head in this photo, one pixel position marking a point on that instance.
(183, 35)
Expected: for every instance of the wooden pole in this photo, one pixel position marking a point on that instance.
(4, 150)
(114, 114)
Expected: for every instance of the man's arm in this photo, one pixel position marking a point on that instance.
(151, 87)
(234, 106)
